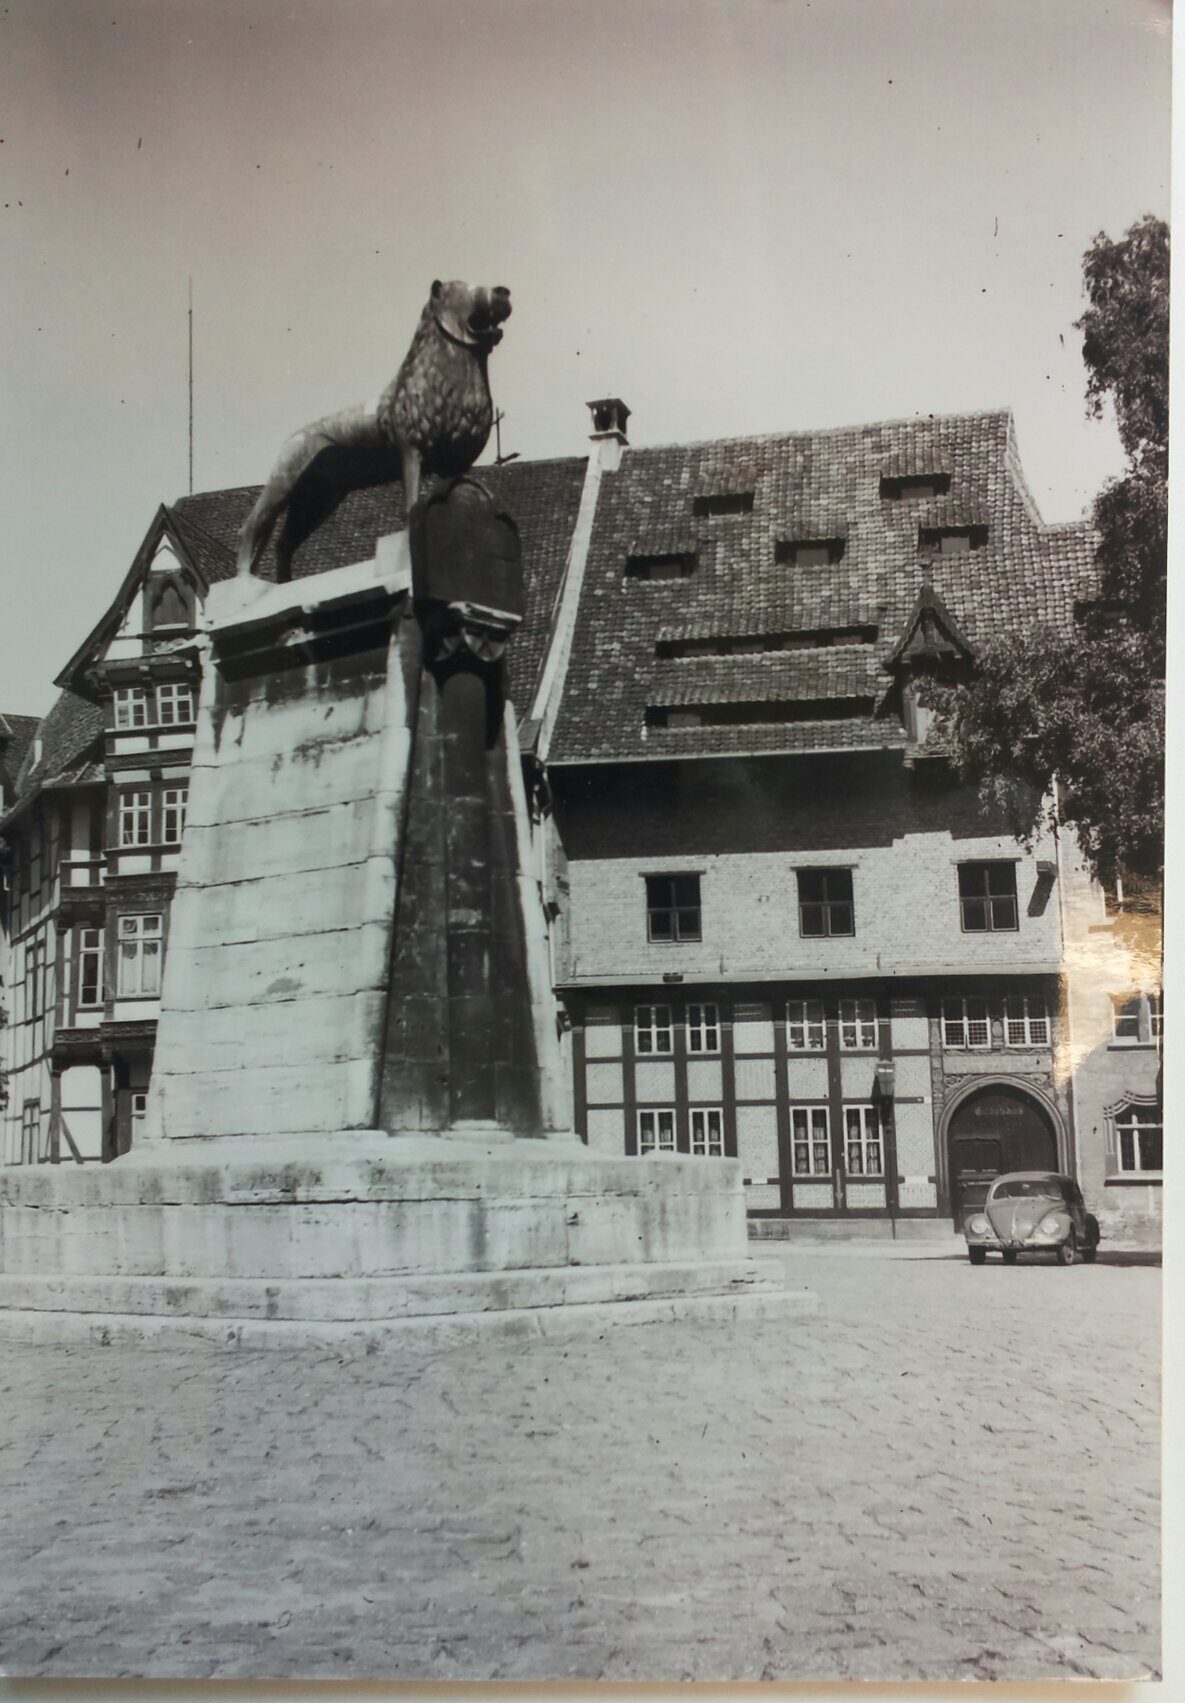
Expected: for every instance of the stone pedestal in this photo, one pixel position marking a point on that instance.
(346, 1135)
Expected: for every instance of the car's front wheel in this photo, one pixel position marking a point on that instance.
(1067, 1250)
(1088, 1255)
(1009, 1256)
(977, 1256)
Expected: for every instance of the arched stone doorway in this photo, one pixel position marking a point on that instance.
(995, 1129)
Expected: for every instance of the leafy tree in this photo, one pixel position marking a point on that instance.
(1085, 710)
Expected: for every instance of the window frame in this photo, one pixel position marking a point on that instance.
(826, 874)
(141, 937)
(703, 1032)
(871, 1133)
(657, 1147)
(987, 898)
(859, 1025)
(964, 1022)
(90, 953)
(681, 934)
(652, 1029)
(707, 1145)
(131, 699)
(1029, 1022)
(812, 1141)
(1128, 1117)
(134, 818)
(172, 813)
(178, 691)
(806, 1023)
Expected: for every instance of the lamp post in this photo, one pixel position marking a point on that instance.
(886, 1079)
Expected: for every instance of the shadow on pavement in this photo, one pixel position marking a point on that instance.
(1132, 1256)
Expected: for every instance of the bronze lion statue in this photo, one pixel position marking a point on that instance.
(435, 417)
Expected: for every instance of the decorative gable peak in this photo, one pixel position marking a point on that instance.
(931, 642)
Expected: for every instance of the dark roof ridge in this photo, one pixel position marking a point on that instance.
(969, 415)
(479, 469)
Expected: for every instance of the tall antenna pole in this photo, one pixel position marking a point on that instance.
(191, 386)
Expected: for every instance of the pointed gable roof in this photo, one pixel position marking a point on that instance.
(206, 556)
(931, 635)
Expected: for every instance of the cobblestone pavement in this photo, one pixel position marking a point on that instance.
(946, 1473)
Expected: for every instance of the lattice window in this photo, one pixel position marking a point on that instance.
(1026, 1020)
(965, 1023)
(131, 706)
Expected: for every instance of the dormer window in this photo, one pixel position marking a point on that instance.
(131, 707)
(675, 564)
(722, 503)
(952, 540)
(809, 552)
(921, 485)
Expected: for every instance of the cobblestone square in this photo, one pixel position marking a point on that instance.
(946, 1473)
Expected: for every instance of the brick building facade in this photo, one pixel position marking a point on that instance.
(779, 926)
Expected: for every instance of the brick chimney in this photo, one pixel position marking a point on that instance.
(609, 421)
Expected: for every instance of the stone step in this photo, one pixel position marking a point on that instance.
(431, 1331)
(850, 1230)
(349, 1300)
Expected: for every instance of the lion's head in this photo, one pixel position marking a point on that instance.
(470, 313)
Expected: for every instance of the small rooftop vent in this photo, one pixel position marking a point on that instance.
(914, 485)
(723, 503)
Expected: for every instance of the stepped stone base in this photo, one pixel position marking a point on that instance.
(360, 1240)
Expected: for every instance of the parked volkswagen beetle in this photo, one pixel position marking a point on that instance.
(1037, 1210)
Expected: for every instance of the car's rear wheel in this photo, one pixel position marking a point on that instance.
(1009, 1255)
(1067, 1250)
(977, 1256)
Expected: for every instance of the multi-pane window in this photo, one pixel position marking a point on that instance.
(656, 1131)
(652, 1029)
(863, 1141)
(707, 1131)
(1138, 1018)
(1125, 1016)
(810, 1136)
(857, 1024)
(174, 704)
(987, 896)
(90, 967)
(672, 907)
(31, 1131)
(140, 944)
(172, 818)
(135, 818)
(1026, 1020)
(965, 1022)
(131, 706)
(806, 1031)
(1140, 1139)
(703, 1029)
(825, 902)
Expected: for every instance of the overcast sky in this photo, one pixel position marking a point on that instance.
(739, 215)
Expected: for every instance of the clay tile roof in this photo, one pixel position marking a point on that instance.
(847, 671)
(806, 485)
(69, 744)
(16, 736)
(542, 496)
